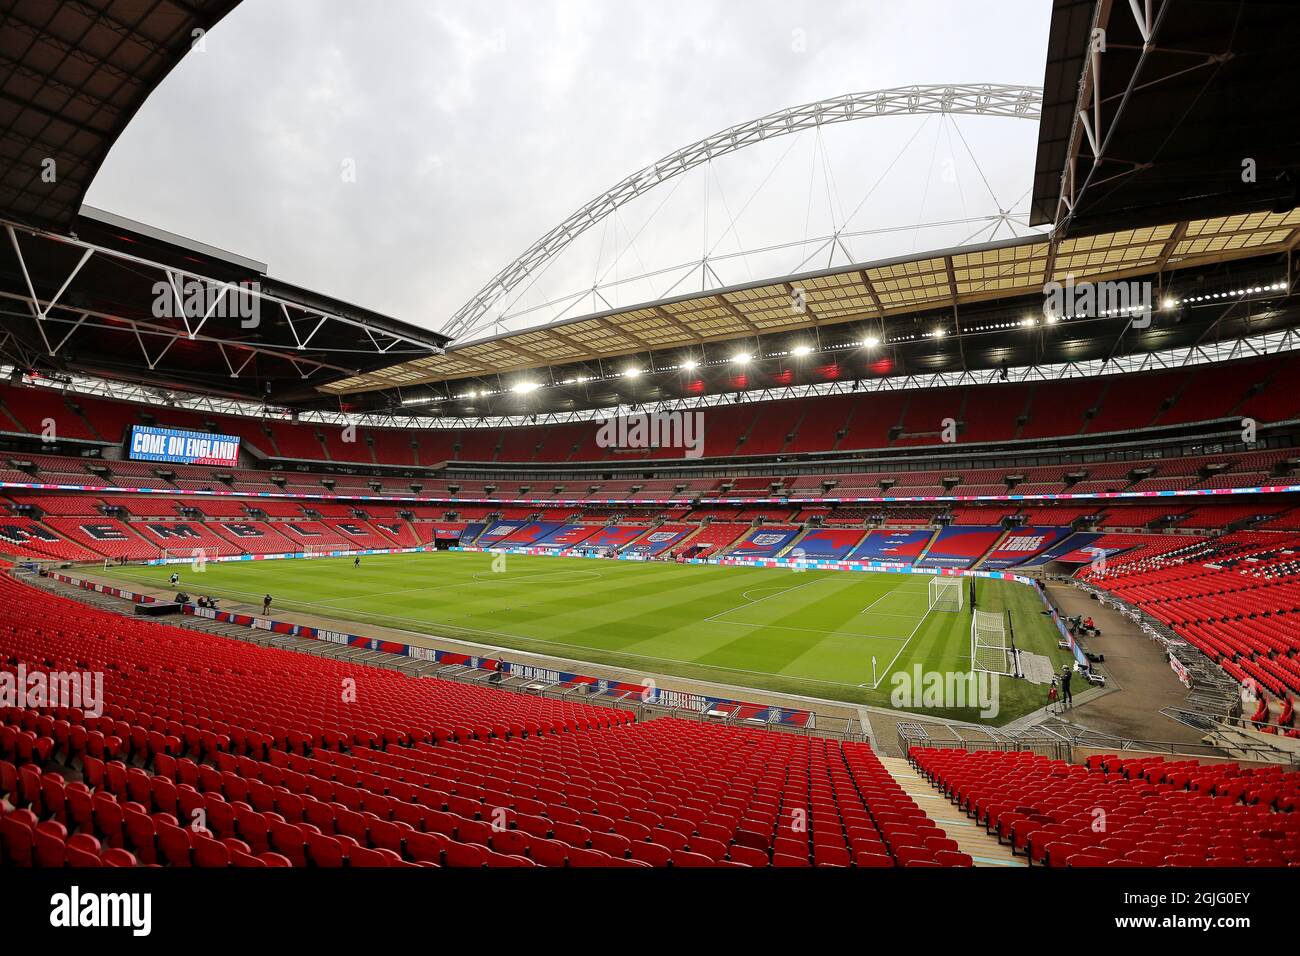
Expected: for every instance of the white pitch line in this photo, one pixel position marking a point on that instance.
(677, 662)
(711, 617)
(890, 667)
(498, 579)
(809, 630)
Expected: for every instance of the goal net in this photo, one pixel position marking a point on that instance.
(946, 594)
(990, 650)
(195, 557)
(325, 550)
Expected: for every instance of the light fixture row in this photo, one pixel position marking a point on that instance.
(804, 350)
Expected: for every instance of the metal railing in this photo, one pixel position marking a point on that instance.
(1059, 740)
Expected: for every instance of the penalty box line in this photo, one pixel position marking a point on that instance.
(890, 666)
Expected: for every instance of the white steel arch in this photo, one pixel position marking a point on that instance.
(982, 99)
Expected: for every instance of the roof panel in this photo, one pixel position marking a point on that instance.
(75, 75)
(1001, 270)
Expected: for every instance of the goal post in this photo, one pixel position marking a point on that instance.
(990, 644)
(195, 556)
(325, 550)
(946, 593)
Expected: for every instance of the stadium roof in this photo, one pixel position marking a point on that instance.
(898, 302)
(74, 75)
(1193, 185)
(1176, 97)
(124, 301)
(85, 291)
(1156, 119)
(78, 290)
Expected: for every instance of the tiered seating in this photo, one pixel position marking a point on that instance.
(407, 772)
(981, 514)
(359, 534)
(110, 420)
(1288, 520)
(1127, 403)
(294, 441)
(478, 445)
(143, 506)
(1134, 516)
(392, 447)
(991, 412)
(518, 444)
(922, 421)
(185, 536)
(714, 538)
(395, 533)
(217, 507)
(278, 507)
(775, 421)
(427, 531)
(827, 543)
(1020, 545)
(765, 542)
(819, 430)
(357, 450)
(919, 484)
(1058, 408)
(1057, 514)
(330, 509)
(1232, 597)
(958, 546)
(1219, 471)
(61, 504)
(897, 547)
(724, 426)
(265, 537)
(870, 420)
(105, 536)
(1210, 517)
(1214, 392)
(29, 408)
(1128, 811)
(660, 539)
(846, 515)
(25, 538)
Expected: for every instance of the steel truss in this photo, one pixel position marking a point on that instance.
(1269, 343)
(1093, 123)
(983, 99)
(57, 322)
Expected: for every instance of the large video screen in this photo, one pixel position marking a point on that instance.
(182, 447)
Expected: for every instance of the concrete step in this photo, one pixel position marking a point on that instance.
(970, 836)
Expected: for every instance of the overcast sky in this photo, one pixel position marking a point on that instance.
(473, 128)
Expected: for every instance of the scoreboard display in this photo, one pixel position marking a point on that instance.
(182, 447)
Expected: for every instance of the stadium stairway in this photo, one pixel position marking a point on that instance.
(992, 549)
(971, 839)
(789, 548)
(680, 545)
(934, 536)
(792, 437)
(473, 540)
(579, 785)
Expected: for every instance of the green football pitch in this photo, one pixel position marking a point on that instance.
(811, 633)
